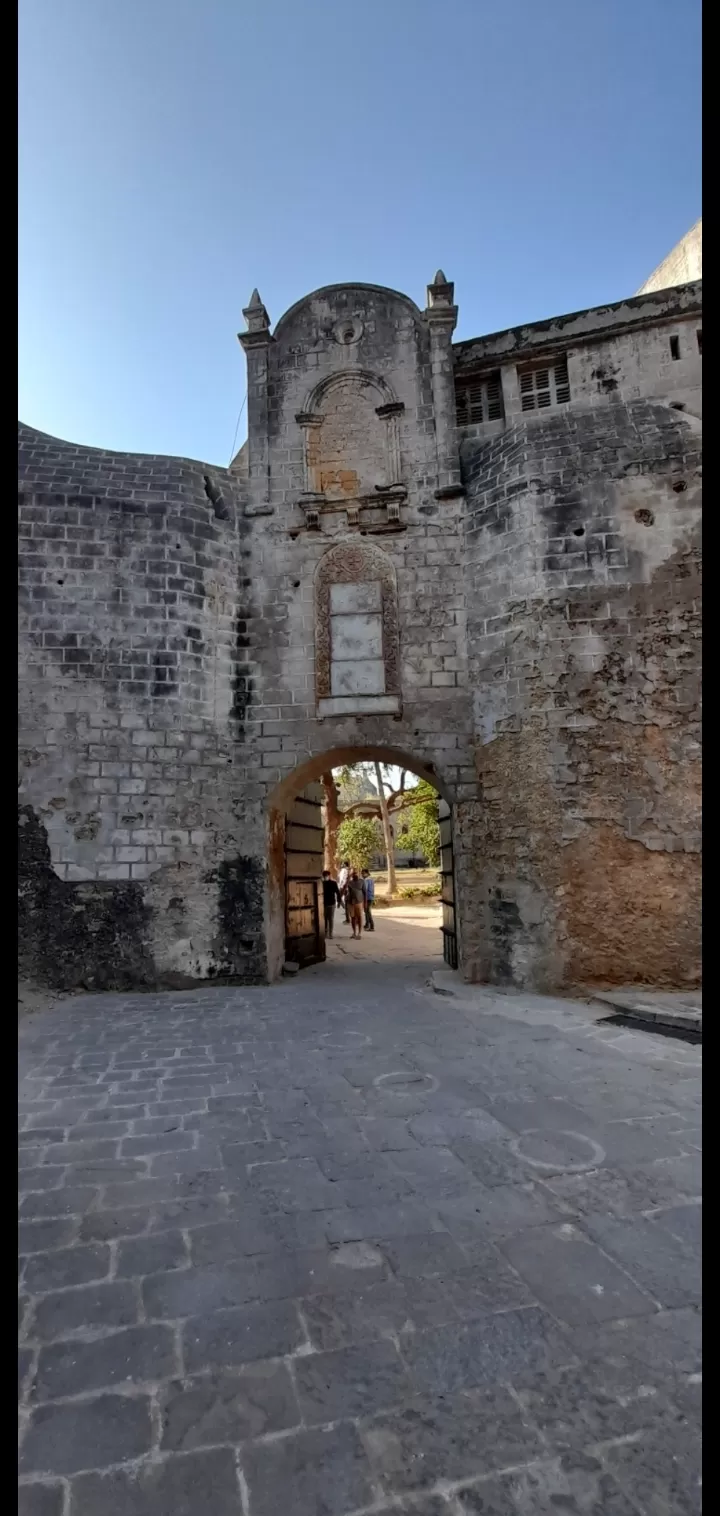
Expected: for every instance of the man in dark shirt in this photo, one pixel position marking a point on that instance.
(368, 899)
(331, 898)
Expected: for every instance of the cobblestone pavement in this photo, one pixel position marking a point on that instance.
(343, 1245)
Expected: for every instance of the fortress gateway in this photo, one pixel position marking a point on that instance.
(480, 560)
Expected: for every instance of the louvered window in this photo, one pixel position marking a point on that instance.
(544, 386)
(479, 400)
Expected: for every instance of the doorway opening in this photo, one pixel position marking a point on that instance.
(374, 808)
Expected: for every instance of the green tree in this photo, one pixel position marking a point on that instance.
(358, 841)
(423, 828)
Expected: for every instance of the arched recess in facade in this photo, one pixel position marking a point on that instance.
(296, 787)
(344, 394)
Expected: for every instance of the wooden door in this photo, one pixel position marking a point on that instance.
(304, 839)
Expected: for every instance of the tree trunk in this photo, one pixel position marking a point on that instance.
(333, 818)
(387, 832)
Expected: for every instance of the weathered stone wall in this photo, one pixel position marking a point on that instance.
(289, 721)
(168, 662)
(645, 348)
(131, 706)
(584, 641)
(533, 651)
(681, 265)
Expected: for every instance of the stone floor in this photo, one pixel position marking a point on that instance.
(345, 1245)
(407, 933)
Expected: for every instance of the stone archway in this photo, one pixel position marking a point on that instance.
(297, 892)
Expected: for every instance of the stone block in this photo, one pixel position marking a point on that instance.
(142, 1353)
(71, 1200)
(324, 1469)
(64, 1439)
(361, 674)
(41, 1499)
(352, 1382)
(376, 1310)
(228, 1407)
(657, 1261)
(171, 1487)
(227, 1338)
(66, 1312)
(449, 1437)
(150, 1255)
(38, 1236)
(66, 1266)
(347, 599)
(573, 1277)
(423, 1255)
(485, 1351)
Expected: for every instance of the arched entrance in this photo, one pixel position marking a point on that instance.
(296, 848)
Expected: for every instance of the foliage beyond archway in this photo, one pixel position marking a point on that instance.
(361, 798)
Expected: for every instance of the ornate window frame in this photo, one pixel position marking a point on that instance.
(356, 563)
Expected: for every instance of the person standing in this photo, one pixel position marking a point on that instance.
(343, 877)
(368, 884)
(355, 898)
(331, 898)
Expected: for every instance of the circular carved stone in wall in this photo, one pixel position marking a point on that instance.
(558, 1152)
(348, 331)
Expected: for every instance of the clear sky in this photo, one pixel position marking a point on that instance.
(174, 153)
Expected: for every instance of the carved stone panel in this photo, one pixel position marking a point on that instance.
(356, 631)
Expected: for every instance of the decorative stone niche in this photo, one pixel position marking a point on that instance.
(356, 633)
(352, 444)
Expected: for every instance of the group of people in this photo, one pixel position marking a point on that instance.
(355, 892)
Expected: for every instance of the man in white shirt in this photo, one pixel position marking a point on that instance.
(343, 877)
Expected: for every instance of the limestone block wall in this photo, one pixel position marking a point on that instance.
(169, 674)
(401, 538)
(431, 731)
(649, 347)
(132, 585)
(583, 586)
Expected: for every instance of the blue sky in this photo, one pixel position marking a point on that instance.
(174, 153)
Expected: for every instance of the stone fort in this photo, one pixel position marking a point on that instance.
(477, 559)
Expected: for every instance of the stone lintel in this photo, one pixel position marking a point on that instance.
(359, 705)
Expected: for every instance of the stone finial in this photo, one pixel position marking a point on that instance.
(441, 292)
(256, 316)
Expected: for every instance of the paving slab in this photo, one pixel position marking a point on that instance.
(681, 1010)
(347, 1244)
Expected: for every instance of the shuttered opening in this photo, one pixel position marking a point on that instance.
(478, 400)
(542, 386)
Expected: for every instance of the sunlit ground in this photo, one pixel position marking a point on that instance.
(407, 932)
